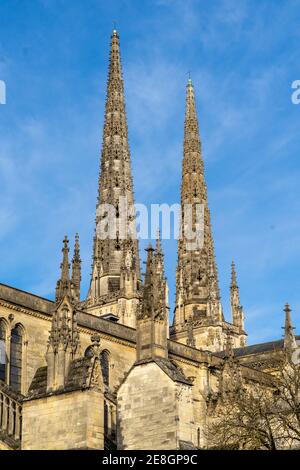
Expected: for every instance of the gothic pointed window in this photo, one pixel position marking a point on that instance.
(3, 359)
(16, 346)
(105, 366)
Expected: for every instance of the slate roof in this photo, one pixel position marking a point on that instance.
(257, 348)
(9, 391)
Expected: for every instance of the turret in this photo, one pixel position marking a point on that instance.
(236, 308)
(152, 318)
(76, 270)
(289, 336)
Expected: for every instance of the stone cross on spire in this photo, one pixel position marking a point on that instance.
(115, 190)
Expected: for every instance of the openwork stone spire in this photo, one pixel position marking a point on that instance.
(197, 291)
(115, 189)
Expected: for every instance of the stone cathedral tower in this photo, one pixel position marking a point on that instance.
(115, 281)
(198, 318)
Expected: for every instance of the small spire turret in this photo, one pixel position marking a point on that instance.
(63, 286)
(289, 335)
(236, 308)
(76, 269)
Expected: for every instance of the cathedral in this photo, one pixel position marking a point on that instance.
(108, 371)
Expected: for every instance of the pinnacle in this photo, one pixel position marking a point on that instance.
(289, 336)
(158, 248)
(65, 263)
(288, 320)
(233, 276)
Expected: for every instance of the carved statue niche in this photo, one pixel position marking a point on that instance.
(95, 376)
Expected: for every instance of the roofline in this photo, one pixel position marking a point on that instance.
(26, 292)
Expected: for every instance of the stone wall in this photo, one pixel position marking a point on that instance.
(36, 332)
(146, 402)
(64, 421)
(154, 412)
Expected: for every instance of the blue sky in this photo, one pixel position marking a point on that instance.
(243, 57)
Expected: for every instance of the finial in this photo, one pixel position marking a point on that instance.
(158, 242)
(289, 336)
(115, 28)
(287, 308)
(189, 78)
(76, 246)
(65, 262)
(233, 275)
(288, 321)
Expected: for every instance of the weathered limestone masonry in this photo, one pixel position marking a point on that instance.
(154, 410)
(155, 400)
(64, 421)
(107, 372)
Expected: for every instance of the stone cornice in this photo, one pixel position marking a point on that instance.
(87, 323)
(32, 313)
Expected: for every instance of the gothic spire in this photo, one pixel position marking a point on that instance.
(289, 336)
(76, 269)
(115, 189)
(64, 284)
(197, 279)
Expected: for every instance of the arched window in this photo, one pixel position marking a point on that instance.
(3, 358)
(16, 346)
(104, 360)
